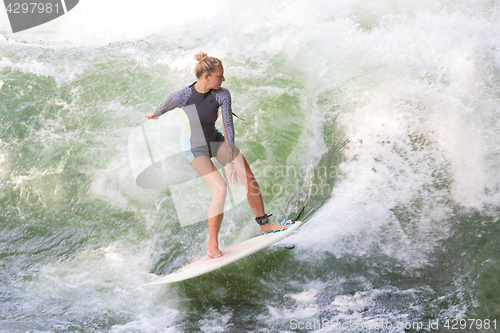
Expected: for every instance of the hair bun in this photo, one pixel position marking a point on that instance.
(206, 64)
(200, 56)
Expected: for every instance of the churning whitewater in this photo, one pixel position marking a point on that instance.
(383, 117)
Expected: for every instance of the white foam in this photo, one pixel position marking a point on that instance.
(99, 23)
(424, 78)
(139, 56)
(4, 21)
(4, 165)
(62, 73)
(412, 84)
(319, 310)
(30, 66)
(305, 296)
(214, 322)
(113, 275)
(354, 303)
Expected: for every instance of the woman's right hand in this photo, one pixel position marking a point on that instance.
(230, 173)
(151, 116)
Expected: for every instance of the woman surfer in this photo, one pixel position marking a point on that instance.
(201, 140)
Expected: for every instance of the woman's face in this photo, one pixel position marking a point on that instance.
(215, 80)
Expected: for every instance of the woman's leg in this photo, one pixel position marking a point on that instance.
(247, 178)
(206, 169)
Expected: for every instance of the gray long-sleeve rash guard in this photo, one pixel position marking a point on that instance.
(180, 98)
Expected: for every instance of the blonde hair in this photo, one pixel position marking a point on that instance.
(206, 64)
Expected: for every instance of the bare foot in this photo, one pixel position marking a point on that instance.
(213, 249)
(271, 227)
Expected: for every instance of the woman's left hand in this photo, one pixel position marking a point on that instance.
(231, 173)
(151, 116)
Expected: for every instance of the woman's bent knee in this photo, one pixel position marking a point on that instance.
(219, 190)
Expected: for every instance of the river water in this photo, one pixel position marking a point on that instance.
(382, 117)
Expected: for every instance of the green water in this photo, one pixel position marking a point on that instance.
(358, 117)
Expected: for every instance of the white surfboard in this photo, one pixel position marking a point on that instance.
(229, 255)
